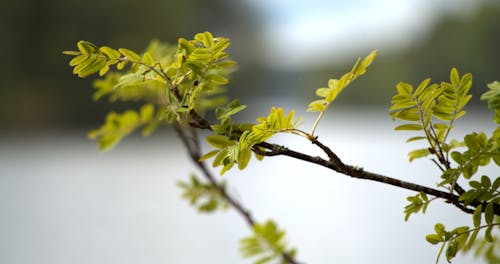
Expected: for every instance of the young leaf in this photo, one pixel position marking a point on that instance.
(409, 127)
(433, 239)
(111, 53)
(219, 141)
(489, 213)
(418, 153)
(476, 217)
(131, 55)
(86, 47)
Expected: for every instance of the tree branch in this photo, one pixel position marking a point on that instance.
(336, 164)
(359, 173)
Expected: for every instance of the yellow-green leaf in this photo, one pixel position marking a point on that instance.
(219, 141)
(86, 47)
(419, 153)
(243, 158)
(78, 59)
(317, 106)
(103, 70)
(148, 59)
(111, 53)
(209, 155)
(131, 55)
(433, 238)
(409, 127)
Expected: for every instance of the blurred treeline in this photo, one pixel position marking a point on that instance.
(469, 43)
(38, 90)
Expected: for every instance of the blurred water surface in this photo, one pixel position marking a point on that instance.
(63, 202)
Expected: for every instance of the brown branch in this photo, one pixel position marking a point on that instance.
(191, 143)
(336, 164)
(359, 173)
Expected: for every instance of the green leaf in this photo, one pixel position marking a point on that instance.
(472, 238)
(409, 127)
(147, 112)
(440, 230)
(317, 106)
(71, 52)
(266, 243)
(322, 92)
(218, 79)
(148, 59)
(209, 155)
(485, 182)
(408, 115)
(131, 55)
(360, 69)
(243, 158)
(220, 45)
(184, 44)
(433, 239)
(454, 77)
(404, 88)
(415, 139)
(422, 86)
(103, 70)
(458, 157)
(86, 47)
(231, 110)
(78, 59)
(219, 141)
(487, 234)
(111, 53)
(205, 197)
(489, 213)
(121, 65)
(476, 216)
(496, 184)
(419, 153)
(92, 67)
(219, 159)
(227, 167)
(451, 251)
(206, 38)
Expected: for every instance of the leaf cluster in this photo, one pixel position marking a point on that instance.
(432, 109)
(480, 150)
(118, 126)
(335, 86)
(493, 98)
(174, 80)
(453, 240)
(484, 191)
(204, 196)
(238, 151)
(267, 243)
(418, 202)
(463, 238)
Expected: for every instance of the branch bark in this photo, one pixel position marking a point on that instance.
(335, 163)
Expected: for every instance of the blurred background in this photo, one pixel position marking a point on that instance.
(63, 202)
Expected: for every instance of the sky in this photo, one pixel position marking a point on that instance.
(299, 34)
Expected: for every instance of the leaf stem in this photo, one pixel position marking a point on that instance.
(318, 119)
